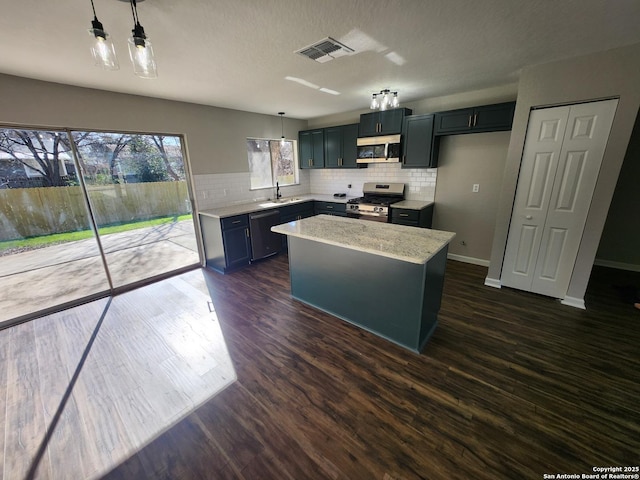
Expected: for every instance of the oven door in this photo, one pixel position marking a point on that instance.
(370, 218)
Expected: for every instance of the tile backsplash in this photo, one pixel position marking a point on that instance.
(224, 189)
(420, 182)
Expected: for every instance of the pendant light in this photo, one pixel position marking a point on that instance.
(282, 127)
(104, 54)
(384, 100)
(140, 49)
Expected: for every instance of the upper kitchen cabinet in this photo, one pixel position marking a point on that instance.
(311, 148)
(385, 122)
(418, 147)
(340, 149)
(488, 118)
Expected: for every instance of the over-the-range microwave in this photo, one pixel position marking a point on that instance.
(384, 149)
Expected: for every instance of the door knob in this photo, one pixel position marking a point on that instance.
(528, 217)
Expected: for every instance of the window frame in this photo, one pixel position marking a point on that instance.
(273, 176)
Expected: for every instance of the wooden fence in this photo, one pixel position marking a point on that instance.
(31, 212)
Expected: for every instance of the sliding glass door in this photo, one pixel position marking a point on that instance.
(138, 193)
(49, 255)
(85, 213)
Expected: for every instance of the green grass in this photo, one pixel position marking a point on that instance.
(45, 240)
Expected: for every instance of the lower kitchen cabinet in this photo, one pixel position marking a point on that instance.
(413, 218)
(331, 208)
(227, 244)
(297, 211)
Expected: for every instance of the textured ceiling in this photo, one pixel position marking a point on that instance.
(240, 53)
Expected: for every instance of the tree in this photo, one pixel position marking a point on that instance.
(39, 152)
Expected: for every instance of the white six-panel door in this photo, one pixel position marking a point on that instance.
(562, 156)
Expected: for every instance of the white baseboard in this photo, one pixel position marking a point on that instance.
(619, 265)
(462, 258)
(492, 282)
(573, 302)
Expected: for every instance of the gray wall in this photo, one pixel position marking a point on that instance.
(463, 161)
(215, 137)
(620, 242)
(613, 73)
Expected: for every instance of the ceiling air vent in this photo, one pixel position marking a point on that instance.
(325, 50)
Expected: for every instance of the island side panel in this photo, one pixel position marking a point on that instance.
(381, 294)
(434, 283)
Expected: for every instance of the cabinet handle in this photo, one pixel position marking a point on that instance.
(469, 124)
(329, 207)
(236, 221)
(246, 231)
(404, 214)
(404, 159)
(528, 217)
(475, 119)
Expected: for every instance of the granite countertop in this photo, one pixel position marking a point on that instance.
(409, 244)
(259, 205)
(412, 204)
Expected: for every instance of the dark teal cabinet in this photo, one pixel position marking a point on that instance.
(386, 122)
(414, 218)
(296, 211)
(340, 149)
(227, 244)
(488, 118)
(418, 145)
(311, 148)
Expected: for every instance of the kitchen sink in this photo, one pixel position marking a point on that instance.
(280, 201)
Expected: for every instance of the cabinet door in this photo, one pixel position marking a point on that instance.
(237, 247)
(391, 121)
(368, 126)
(332, 147)
(493, 117)
(311, 148)
(418, 142)
(455, 121)
(349, 148)
(305, 148)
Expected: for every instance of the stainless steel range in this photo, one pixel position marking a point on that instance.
(374, 205)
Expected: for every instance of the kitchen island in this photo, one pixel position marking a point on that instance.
(384, 278)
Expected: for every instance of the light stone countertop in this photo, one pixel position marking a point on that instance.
(409, 244)
(260, 205)
(412, 204)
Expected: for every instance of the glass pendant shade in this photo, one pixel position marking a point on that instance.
(141, 53)
(102, 49)
(395, 103)
(374, 102)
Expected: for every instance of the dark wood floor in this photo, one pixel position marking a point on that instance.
(512, 385)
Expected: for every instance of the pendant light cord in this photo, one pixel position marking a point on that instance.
(94, 10)
(134, 11)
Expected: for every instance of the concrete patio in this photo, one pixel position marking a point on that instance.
(42, 278)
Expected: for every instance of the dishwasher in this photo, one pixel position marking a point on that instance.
(263, 241)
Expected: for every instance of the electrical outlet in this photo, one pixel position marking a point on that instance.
(476, 188)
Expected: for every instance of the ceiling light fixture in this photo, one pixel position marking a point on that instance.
(388, 99)
(282, 127)
(104, 54)
(140, 49)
